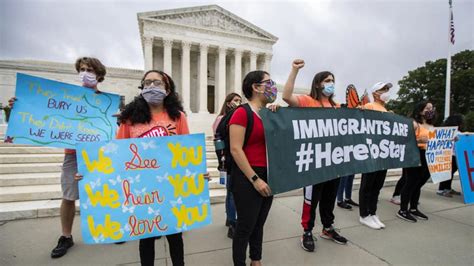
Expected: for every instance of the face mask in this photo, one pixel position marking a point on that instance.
(233, 105)
(88, 79)
(328, 89)
(270, 93)
(384, 97)
(154, 95)
(429, 114)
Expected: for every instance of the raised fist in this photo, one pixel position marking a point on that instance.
(298, 63)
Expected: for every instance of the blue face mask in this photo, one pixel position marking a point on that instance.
(328, 89)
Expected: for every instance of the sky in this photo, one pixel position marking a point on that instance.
(360, 41)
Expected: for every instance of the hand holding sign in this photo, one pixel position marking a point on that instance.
(262, 187)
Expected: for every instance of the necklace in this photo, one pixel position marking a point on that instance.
(255, 111)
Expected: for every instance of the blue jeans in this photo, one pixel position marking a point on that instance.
(345, 185)
(230, 208)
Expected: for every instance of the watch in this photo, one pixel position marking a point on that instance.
(254, 178)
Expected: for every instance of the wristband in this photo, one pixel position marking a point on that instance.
(254, 178)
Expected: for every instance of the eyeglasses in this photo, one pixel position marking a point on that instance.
(267, 83)
(156, 82)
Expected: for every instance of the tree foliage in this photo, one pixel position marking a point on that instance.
(429, 83)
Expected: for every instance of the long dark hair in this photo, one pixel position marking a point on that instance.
(316, 88)
(419, 107)
(225, 107)
(251, 78)
(138, 111)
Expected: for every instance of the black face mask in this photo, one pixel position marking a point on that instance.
(429, 115)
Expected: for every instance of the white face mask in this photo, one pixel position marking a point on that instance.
(154, 95)
(384, 97)
(88, 79)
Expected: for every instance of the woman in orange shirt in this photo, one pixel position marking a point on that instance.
(156, 112)
(424, 115)
(321, 95)
(371, 183)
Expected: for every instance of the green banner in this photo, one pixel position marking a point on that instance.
(308, 146)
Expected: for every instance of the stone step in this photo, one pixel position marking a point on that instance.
(28, 193)
(31, 158)
(29, 150)
(30, 168)
(29, 179)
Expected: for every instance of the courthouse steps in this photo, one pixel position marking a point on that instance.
(30, 180)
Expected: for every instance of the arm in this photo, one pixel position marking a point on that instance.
(237, 136)
(182, 126)
(288, 96)
(416, 127)
(123, 132)
(216, 123)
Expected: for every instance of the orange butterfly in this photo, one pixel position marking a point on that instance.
(352, 97)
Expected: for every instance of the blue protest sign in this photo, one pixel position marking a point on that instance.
(139, 188)
(464, 149)
(57, 114)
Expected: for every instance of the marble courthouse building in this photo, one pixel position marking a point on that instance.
(207, 50)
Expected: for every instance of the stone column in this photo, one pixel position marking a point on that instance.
(203, 78)
(167, 53)
(148, 52)
(238, 71)
(253, 61)
(186, 76)
(268, 62)
(221, 88)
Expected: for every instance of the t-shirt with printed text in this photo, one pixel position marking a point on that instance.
(160, 125)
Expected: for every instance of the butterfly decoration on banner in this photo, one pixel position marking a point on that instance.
(352, 97)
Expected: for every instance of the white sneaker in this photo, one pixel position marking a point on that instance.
(377, 221)
(368, 221)
(395, 200)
